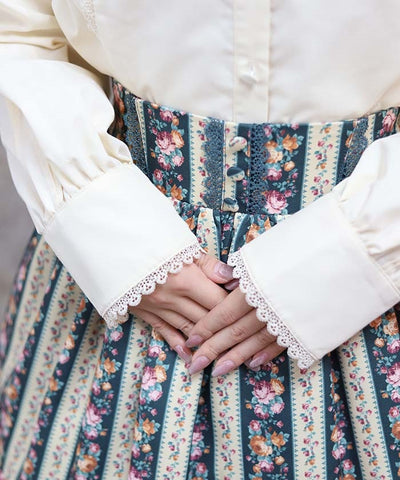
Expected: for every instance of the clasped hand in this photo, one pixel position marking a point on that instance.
(192, 310)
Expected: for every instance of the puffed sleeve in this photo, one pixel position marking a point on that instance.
(323, 274)
(113, 230)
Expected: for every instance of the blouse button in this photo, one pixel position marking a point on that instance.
(231, 205)
(249, 76)
(235, 173)
(237, 143)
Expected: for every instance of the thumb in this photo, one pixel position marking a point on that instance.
(214, 269)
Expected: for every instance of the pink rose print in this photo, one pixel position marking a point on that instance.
(258, 410)
(196, 453)
(93, 416)
(273, 174)
(135, 474)
(166, 115)
(158, 175)
(276, 201)
(155, 395)
(178, 160)
(339, 452)
(255, 425)
(393, 375)
(394, 346)
(277, 407)
(154, 351)
(347, 464)
(163, 162)
(201, 467)
(264, 391)
(394, 412)
(266, 466)
(388, 121)
(116, 335)
(165, 142)
(149, 378)
(395, 396)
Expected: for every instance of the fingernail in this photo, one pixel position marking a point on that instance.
(257, 361)
(193, 341)
(224, 271)
(223, 368)
(186, 357)
(198, 364)
(232, 284)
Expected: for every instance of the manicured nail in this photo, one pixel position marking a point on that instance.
(232, 284)
(186, 357)
(224, 271)
(198, 364)
(257, 361)
(193, 341)
(223, 368)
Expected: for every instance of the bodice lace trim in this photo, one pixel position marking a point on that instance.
(118, 312)
(265, 313)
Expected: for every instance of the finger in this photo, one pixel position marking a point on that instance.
(206, 292)
(172, 318)
(171, 335)
(266, 355)
(245, 350)
(183, 307)
(233, 307)
(214, 269)
(232, 284)
(226, 339)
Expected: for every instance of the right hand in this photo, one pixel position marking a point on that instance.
(187, 296)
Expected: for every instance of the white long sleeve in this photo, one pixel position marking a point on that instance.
(104, 219)
(323, 274)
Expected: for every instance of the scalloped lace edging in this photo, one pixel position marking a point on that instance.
(265, 313)
(118, 312)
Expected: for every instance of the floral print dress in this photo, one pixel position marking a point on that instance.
(79, 401)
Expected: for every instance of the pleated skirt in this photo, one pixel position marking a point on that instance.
(79, 401)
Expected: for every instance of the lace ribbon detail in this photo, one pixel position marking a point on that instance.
(265, 313)
(118, 312)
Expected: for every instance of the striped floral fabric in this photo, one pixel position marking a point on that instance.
(82, 402)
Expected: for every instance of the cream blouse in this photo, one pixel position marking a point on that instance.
(242, 60)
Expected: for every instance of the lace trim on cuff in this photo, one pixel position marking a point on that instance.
(118, 312)
(265, 313)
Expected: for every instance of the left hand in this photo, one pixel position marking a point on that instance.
(232, 327)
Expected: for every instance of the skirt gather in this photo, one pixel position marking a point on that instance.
(80, 401)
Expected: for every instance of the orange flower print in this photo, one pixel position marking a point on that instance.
(11, 392)
(259, 446)
(336, 434)
(148, 427)
(277, 386)
(87, 464)
(28, 466)
(177, 139)
(252, 232)
(109, 366)
(375, 323)
(396, 430)
(160, 373)
(53, 384)
(190, 223)
(277, 439)
(288, 166)
(391, 328)
(176, 192)
(290, 143)
(70, 342)
(270, 144)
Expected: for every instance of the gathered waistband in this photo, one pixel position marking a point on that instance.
(267, 168)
